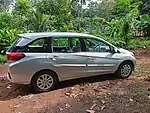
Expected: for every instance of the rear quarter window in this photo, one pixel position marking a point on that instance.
(38, 46)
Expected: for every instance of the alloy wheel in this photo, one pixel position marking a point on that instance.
(45, 81)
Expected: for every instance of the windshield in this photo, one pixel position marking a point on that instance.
(18, 44)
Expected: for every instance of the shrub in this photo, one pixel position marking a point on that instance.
(3, 59)
(7, 37)
(139, 43)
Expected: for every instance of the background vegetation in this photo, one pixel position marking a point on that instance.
(115, 20)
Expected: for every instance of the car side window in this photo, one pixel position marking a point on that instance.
(76, 45)
(95, 45)
(39, 45)
(66, 45)
(60, 45)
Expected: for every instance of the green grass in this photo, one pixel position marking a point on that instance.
(139, 42)
(3, 59)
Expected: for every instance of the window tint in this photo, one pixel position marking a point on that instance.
(60, 42)
(76, 45)
(15, 47)
(39, 45)
(66, 45)
(95, 45)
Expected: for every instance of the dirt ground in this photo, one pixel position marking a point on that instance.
(99, 94)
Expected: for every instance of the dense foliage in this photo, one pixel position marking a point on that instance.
(114, 20)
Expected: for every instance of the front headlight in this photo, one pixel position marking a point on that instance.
(132, 54)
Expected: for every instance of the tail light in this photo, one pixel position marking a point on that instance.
(15, 56)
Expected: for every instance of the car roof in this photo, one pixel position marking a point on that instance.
(53, 34)
(34, 36)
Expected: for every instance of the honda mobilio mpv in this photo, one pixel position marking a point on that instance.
(44, 59)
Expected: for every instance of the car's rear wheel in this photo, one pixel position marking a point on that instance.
(44, 81)
(124, 70)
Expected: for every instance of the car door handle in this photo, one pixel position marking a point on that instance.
(55, 58)
(90, 58)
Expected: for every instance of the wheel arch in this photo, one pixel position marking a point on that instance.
(130, 61)
(44, 70)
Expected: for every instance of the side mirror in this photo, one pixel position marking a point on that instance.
(114, 50)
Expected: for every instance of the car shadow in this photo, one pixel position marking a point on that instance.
(16, 91)
(92, 79)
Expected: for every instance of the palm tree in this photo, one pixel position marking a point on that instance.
(38, 21)
(80, 10)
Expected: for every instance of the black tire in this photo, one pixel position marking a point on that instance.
(34, 83)
(119, 74)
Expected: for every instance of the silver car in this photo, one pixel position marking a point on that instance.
(44, 59)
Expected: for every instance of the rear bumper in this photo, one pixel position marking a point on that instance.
(17, 75)
(18, 79)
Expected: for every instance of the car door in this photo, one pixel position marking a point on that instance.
(67, 58)
(100, 58)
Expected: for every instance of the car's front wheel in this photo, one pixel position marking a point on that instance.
(124, 70)
(44, 81)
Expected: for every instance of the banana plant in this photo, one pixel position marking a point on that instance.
(38, 21)
(8, 36)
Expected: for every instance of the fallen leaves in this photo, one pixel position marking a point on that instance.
(149, 96)
(103, 102)
(71, 95)
(90, 111)
(67, 106)
(94, 105)
(60, 109)
(147, 79)
(28, 96)
(2, 78)
(103, 107)
(9, 86)
(131, 99)
(68, 94)
(16, 106)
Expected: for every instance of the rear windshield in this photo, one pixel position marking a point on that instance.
(18, 45)
(39, 45)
